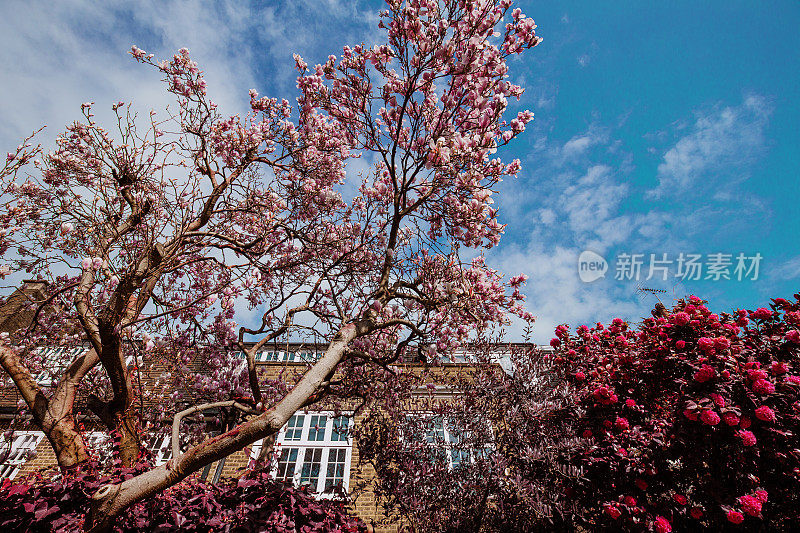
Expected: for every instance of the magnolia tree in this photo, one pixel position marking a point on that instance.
(691, 419)
(150, 232)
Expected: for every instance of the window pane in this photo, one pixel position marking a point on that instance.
(294, 428)
(336, 462)
(287, 463)
(435, 430)
(316, 430)
(311, 463)
(341, 426)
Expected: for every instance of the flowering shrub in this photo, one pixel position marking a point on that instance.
(692, 418)
(254, 502)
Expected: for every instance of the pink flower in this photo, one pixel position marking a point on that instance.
(612, 511)
(705, 373)
(762, 495)
(587, 434)
(662, 525)
(97, 262)
(735, 517)
(630, 501)
(764, 387)
(719, 401)
(750, 505)
(793, 379)
(794, 336)
(691, 415)
(706, 344)
(630, 403)
(621, 424)
(642, 484)
(762, 313)
(681, 318)
(66, 228)
(722, 343)
(555, 343)
(710, 417)
(696, 513)
(86, 263)
(680, 345)
(580, 376)
(748, 439)
(604, 395)
(765, 413)
(730, 418)
(778, 368)
(680, 499)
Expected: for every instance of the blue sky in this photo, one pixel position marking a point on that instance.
(659, 129)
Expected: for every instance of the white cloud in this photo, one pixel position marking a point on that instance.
(786, 270)
(723, 138)
(556, 295)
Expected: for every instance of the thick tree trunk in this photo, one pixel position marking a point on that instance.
(68, 444)
(54, 415)
(111, 500)
(121, 416)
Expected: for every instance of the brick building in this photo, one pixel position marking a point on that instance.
(315, 448)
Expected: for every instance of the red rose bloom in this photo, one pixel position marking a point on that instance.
(750, 505)
(763, 387)
(612, 511)
(762, 495)
(662, 525)
(696, 513)
(735, 517)
(710, 417)
(730, 419)
(748, 439)
(680, 498)
(704, 374)
(779, 368)
(621, 423)
(765, 413)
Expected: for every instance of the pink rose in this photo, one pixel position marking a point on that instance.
(612, 511)
(662, 525)
(710, 417)
(748, 439)
(704, 374)
(765, 413)
(750, 505)
(763, 387)
(735, 517)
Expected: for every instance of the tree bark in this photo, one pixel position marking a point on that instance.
(54, 415)
(111, 500)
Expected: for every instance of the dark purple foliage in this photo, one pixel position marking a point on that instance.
(254, 502)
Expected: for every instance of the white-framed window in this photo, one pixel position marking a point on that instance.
(54, 360)
(17, 451)
(161, 448)
(314, 449)
(301, 356)
(442, 439)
